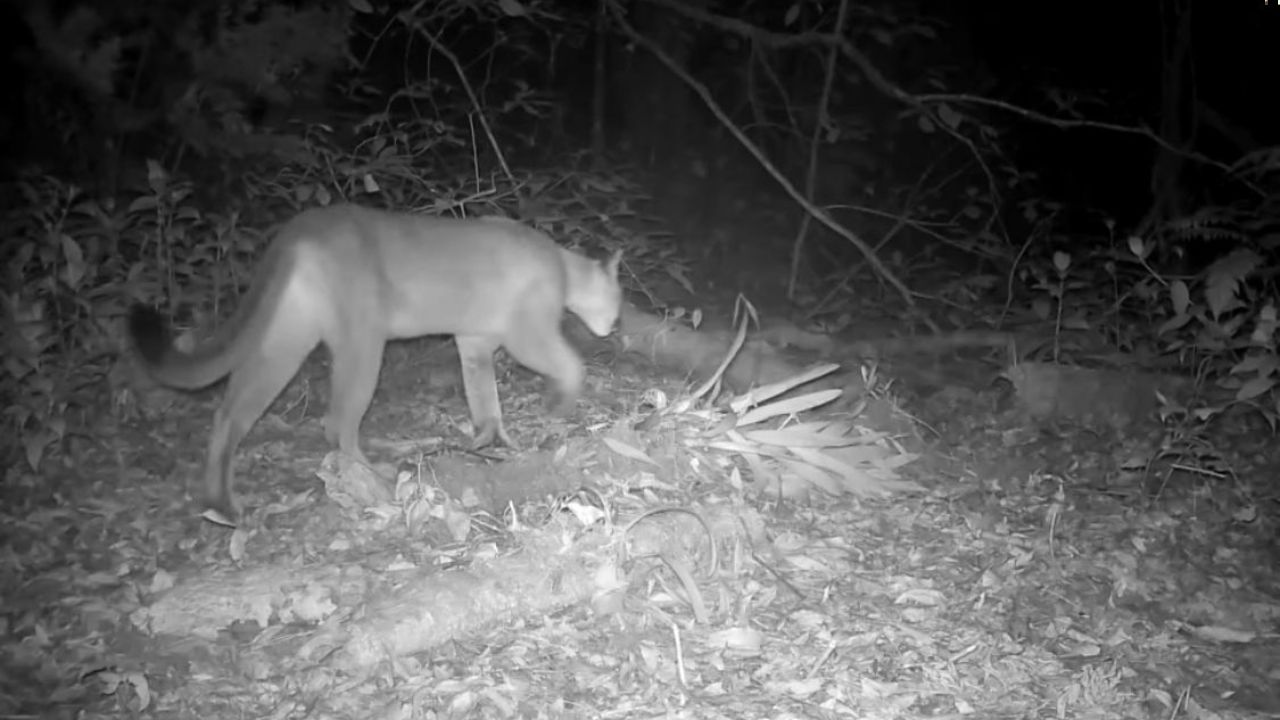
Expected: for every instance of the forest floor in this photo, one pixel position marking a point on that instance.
(1035, 571)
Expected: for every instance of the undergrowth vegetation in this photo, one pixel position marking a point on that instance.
(1193, 292)
(74, 264)
(1197, 294)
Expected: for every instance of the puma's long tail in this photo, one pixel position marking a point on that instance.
(230, 346)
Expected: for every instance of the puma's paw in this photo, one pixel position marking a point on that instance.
(561, 404)
(491, 432)
(221, 512)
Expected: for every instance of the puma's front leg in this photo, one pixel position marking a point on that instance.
(480, 384)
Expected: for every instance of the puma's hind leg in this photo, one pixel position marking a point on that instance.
(480, 384)
(251, 390)
(353, 378)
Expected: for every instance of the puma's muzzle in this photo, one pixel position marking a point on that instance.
(595, 295)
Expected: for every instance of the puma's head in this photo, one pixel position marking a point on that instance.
(594, 293)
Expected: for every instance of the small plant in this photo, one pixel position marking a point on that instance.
(71, 266)
(51, 281)
(1224, 320)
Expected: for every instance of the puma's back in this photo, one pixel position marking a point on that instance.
(434, 275)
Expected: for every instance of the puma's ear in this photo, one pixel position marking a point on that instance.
(611, 265)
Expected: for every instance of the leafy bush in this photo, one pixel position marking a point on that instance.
(1199, 292)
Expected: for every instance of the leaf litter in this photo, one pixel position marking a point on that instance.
(810, 564)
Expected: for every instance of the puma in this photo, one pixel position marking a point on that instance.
(353, 278)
